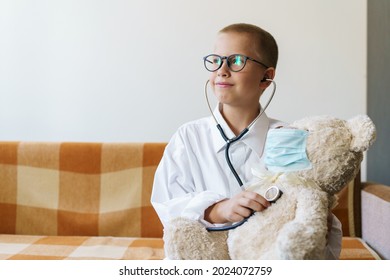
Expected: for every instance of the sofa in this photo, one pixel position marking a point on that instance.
(67, 200)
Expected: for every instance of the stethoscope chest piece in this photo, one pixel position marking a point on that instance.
(272, 194)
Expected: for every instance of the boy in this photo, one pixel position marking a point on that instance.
(193, 178)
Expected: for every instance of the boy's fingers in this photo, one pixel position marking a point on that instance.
(243, 212)
(258, 199)
(255, 205)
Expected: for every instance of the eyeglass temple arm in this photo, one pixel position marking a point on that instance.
(261, 63)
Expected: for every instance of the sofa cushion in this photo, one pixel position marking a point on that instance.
(85, 189)
(25, 247)
(355, 248)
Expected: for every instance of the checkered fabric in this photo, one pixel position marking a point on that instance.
(28, 247)
(78, 189)
(354, 248)
(91, 201)
(24, 247)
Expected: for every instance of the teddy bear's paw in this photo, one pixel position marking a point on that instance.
(186, 239)
(299, 243)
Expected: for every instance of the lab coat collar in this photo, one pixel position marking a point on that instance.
(255, 138)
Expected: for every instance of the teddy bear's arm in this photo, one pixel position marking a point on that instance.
(305, 236)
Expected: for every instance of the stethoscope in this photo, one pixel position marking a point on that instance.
(273, 192)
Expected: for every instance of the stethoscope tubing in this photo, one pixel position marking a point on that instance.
(229, 227)
(253, 122)
(230, 141)
(242, 133)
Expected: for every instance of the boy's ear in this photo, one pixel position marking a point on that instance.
(269, 74)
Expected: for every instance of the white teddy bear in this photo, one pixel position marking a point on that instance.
(295, 226)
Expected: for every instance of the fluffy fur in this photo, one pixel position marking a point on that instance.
(295, 227)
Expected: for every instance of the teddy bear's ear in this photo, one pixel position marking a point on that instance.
(363, 132)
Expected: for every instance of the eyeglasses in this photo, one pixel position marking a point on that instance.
(235, 62)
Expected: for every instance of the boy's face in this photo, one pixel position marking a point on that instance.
(244, 88)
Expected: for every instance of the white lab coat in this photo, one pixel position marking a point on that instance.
(193, 173)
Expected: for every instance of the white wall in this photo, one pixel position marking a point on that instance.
(131, 70)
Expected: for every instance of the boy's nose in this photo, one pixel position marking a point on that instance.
(224, 69)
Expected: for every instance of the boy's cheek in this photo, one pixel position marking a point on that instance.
(212, 83)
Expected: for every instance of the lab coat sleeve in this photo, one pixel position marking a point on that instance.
(174, 193)
(333, 248)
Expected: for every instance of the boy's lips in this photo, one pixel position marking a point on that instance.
(223, 84)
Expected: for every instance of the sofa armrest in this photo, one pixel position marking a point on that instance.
(376, 217)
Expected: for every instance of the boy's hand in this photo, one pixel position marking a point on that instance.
(236, 208)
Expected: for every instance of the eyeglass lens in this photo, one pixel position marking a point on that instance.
(235, 62)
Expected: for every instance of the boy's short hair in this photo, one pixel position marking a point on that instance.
(265, 43)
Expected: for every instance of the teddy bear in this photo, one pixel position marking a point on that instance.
(295, 225)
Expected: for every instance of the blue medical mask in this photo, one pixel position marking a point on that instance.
(285, 150)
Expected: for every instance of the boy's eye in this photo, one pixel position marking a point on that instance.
(213, 60)
(237, 60)
(216, 60)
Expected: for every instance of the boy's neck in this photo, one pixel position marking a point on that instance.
(239, 118)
